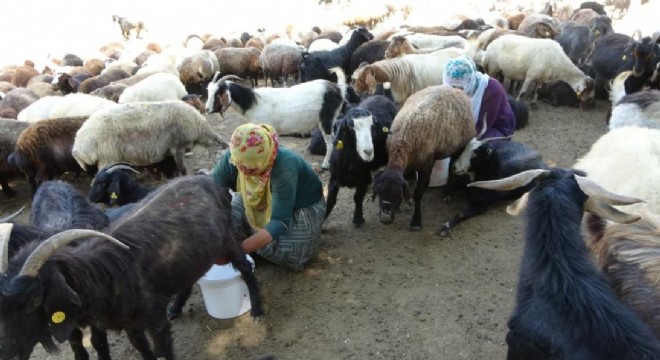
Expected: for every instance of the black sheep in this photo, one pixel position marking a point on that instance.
(565, 308)
(369, 52)
(316, 65)
(359, 149)
(491, 161)
(116, 185)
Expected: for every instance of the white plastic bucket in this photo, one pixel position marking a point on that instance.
(440, 173)
(225, 294)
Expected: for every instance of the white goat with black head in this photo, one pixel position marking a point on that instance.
(297, 109)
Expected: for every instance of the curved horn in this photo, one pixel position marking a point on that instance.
(512, 182)
(604, 210)
(229, 77)
(47, 248)
(120, 166)
(5, 235)
(10, 217)
(497, 138)
(215, 77)
(593, 190)
(484, 126)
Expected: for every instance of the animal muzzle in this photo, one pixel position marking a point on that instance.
(367, 155)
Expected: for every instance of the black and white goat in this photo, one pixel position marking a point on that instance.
(490, 161)
(359, 149)
(315, 65)
(297, 109)
(565, 308)
(116, 185)
(122, 279)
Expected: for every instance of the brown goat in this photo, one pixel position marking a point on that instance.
(629, 255)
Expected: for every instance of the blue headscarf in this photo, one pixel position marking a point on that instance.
(461, 72)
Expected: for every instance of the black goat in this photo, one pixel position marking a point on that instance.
(316, 65)
(565, 308)
(369, 52)
(558, 93)
(577, 41)
(490, 161)
(58, 206)
(595, 6)
(173, 237)
(116, 185)
(359, 149)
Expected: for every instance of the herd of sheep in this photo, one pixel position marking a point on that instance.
(373, 100)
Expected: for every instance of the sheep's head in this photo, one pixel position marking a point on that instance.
(586, 91)
(394, 49)
(391, 188)
(361, 35)
(364, 79)
(219, 96)
(108, 184)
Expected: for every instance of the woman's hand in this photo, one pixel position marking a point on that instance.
(257, 241)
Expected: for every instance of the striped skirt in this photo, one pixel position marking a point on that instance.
(293, 249)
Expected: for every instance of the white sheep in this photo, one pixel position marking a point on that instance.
(159, 63)
(535, 60)
(627, 161)
(71, 105)
(142, 133)
(156, 87)
(640, 109)
(407, 74)
(297, 109)
(422, 41)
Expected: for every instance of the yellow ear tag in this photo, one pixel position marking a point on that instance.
(340, 145)
(113, 196)
(58, 317)
(623, 58)
(385, 129)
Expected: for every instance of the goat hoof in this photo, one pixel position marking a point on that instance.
(444, 230)
(534, 106)
(358, 223)
(415, 228)
(257, 319)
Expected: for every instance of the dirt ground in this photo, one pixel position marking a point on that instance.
(380, 292)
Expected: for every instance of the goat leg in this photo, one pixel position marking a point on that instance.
(76, 343)
(333, 191)
(139, 341)
(100, 343)
(245, 268)
(470, 212)
(358, 198)
(179, 301)
(161, 334)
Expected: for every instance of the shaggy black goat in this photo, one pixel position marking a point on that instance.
(565, 308)
(490, 161)
(359, 149)
(173, 237)
(316, 65)
(115, 184)
(58, 206)
(558, 93)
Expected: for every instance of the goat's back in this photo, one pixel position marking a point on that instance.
(436, 122)
(179, 229)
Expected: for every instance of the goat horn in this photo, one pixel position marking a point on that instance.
(604, 210)
(229, 77)
(496, 138)
(512, 182)
(215, 77)
(47, 248)
(120, 166)
(5, 235)
(593, 190)
(483, 126)
(10, 217)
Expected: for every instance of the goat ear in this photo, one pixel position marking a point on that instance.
(61, 305)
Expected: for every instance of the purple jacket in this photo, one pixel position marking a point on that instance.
(500, 121)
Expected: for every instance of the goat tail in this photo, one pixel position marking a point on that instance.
(520, 110)
(618, 88)
(341, 80)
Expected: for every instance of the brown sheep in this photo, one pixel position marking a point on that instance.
(197, 69)
(400, 46)
(9, 132)
(213, 43)
(22, 75)
(95, 66)
(234, 43)
(433, 124)
(242, 62)
(434, 30)
(255, 42)
(102, 80)
(112, 50)
(629, 256)
(279, 62)
(540, 26)
(583, 16)
(152, 46)
(43, 150)
(515, 20)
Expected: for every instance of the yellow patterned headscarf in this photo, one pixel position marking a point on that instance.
(253, 150)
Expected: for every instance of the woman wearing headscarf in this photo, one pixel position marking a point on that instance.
(488, 97)
(278, 208)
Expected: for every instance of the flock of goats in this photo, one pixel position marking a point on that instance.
(589, 279)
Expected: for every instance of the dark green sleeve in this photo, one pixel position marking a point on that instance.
(283, 190)
(224, 173)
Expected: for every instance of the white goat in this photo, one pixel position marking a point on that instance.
(297, 109)
(407, 74)
(530, 60)
(640, 109)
